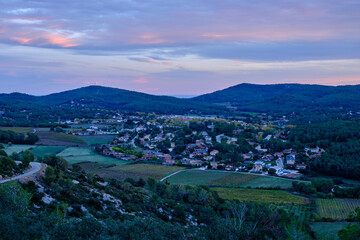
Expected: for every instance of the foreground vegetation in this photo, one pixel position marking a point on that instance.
(76, 205)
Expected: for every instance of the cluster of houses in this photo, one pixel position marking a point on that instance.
(201, 152)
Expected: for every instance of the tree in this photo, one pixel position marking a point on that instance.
(272, 171)
(352, 231)
(50, 175)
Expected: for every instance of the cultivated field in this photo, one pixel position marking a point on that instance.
(43, 150)
(97, 139)
(17, 148)
(337, 209)
(228, 179)
(85, 154)
(37, 150)
(135, 171)
(265, 182)
(303, 212)
(259, 195)
(17, 129)
(58, 139)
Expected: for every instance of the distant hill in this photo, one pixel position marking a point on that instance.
(114, 99)
(285, 97)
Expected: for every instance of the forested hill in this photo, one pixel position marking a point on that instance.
(285, 97)
(114, 99)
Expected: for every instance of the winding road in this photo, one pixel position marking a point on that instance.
(35, 167)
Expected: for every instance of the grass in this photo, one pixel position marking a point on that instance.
(86, 154)
(17, 129)
(259, 195)
(135, 171)
(337, 209)
(44, 150)
(17, 148)
(228, 179)
(328, 230)
(97, 139)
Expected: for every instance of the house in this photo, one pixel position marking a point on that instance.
(196, 162)
(261, 150)
(214, 152)
(268, 137)
(278, 154)
(214, 165)
(258, 167)
(229, 168)
(248, 155)
(208, 140)
(290, 159)
(209, 158)
(300, 166)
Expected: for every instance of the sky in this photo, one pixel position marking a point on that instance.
(173, 47)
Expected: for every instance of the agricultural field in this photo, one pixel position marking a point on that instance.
(43, 150)
(17, 148)
(135, 171)
(260, 195)
(17, 129)
(302, 212)
(337, 209)
(86, 154)
(37, 150)
(267, 181)
(228, 179)
(97, 139)
(328, 230)
(58, 139)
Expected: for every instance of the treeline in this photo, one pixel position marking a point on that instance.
(18, 138)
(341, 141)
(325, 188)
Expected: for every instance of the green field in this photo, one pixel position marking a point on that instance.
(43, 150)
(17, 129)
(266, 182)
(17, 148)
(37, 150)
(228, 179)
(135, 171)
(259, 195)
(97, 139)
(85, 154)
(328, 230)
(337, 209)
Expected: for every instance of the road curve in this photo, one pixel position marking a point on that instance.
(35, 167)
(174, 173)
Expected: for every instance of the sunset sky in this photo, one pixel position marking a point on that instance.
(186, 47)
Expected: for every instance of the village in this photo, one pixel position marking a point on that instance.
(259, 147)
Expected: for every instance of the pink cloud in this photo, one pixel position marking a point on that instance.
(141, 80)
(167, 63)
(44, 39)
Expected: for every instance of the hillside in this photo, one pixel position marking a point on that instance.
(285, 97)
(112, 99)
